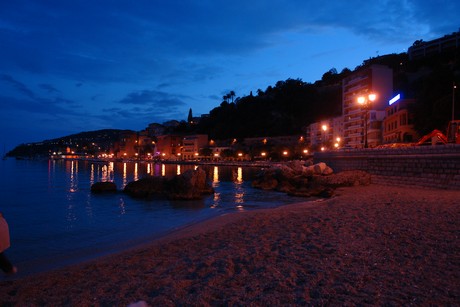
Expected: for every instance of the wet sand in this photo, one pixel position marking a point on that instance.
(378, 245)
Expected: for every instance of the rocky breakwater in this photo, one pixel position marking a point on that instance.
(299, 179)
(192, 184)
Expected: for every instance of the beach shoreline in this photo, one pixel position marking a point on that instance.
(367, 245)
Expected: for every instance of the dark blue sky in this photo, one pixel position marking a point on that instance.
(72, 66)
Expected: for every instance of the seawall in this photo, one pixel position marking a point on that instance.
(427, 166)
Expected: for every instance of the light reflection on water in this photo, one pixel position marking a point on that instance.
(57, 220)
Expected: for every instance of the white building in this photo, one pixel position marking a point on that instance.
(376, 79)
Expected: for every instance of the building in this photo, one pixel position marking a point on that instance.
(169, 147)
(126, 147)
(376, 79)
(446, 43)
(192, 144)
(325, 133)
(180, 147)
(398, 124)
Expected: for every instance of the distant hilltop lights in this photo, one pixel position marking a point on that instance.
(394, 99)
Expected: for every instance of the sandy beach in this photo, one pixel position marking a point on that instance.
(372, 245)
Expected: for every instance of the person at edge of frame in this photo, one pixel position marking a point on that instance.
(5, 264)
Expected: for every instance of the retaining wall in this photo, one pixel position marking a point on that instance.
(428, 166)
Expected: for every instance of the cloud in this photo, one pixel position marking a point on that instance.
(49, 88)
(19, 86)
(154, 98)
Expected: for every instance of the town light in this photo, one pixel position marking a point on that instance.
(305, 151)
(365, 102)
(285, 153)
(240, 154)
(324, 127)
(263, 154)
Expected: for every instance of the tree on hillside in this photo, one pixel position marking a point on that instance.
(280, 110)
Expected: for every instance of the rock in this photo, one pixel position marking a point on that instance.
(319, 168)
(327, 171)
(103, 187)
(192, 184)
(316, 180)
(146, 187)
(295, 165)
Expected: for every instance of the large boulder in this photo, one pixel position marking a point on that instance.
(147, 187)
(192, 184)
(313, 180)
(103, 187)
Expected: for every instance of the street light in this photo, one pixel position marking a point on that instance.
(365, 102)
(324, 134)
(453, 101)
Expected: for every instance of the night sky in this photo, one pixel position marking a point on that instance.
(72, 66)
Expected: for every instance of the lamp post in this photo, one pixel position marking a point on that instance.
(453, 101)
(365, 102)
(324, 135)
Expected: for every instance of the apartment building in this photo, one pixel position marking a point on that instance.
(398, 124)
(326, 133)
(180, 147)
(169, 147)
(374, 79)
(422, 49)
(191, 145)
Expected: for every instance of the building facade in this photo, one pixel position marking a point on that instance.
(376, 79)
(326, 134)
(398, 126)
(192, 144)
(168, 147)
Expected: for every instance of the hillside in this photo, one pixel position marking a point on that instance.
(88, 142)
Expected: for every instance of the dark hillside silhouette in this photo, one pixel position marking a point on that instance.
(280, 110)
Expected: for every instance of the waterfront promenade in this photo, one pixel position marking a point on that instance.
(378, 245)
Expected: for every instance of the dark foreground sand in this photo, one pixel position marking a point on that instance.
(377, 245)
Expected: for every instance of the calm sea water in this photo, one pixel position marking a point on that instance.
(55, 221)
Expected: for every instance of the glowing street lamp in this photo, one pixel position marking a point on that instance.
(324, 134)
(365, 102)
(337, 142)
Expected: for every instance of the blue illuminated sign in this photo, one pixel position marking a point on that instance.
(394, 99)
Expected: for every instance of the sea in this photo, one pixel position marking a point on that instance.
(56, 221)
